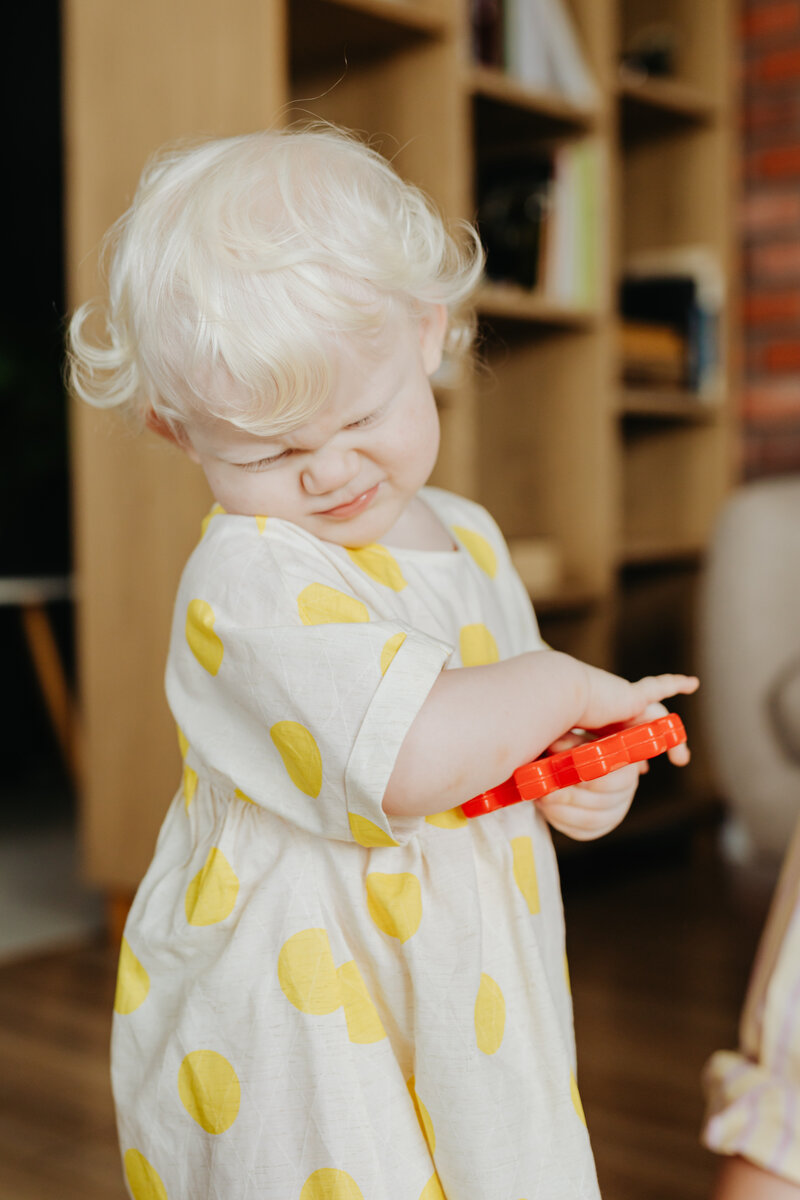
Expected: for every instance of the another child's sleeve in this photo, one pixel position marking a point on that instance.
(753, 1094)
(293, 692)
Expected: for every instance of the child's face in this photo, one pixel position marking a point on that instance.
(347, 474)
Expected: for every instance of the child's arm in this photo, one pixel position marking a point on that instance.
(479, 724)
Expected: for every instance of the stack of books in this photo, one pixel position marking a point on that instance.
(540, 222)
(670, 304)
(534, 41)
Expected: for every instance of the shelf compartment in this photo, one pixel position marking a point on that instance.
(667, 405)
(509, 303)
(504, 103)
(321, 31)
(673, 190)
(652, 106)
(673, 476)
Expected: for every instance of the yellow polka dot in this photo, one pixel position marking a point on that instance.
(211, 896)
(490, 1015)
(367, 833)
(321, 605)
(433, 1190)
(182, 741)
(133, 982)
(261, 522)
(423, 1116)
(239, 794)
(477, 646)
(479, 548)
(216, 510)
(307, 975)
(576, 1097)
(209, 1090)
(525, 871)
(143, 1179)
(566, 974)
(363, 1023)
(390, 648)
(395, 903)
(300, 754)
(204, 644)
(452, 819)
(330, 1184)
(380, 565)
(189, 785)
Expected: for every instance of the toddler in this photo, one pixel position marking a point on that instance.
(332, 985)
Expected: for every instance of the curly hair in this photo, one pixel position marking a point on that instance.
(242, 262)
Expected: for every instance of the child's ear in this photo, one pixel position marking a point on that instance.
(177, 436)
(432, 328)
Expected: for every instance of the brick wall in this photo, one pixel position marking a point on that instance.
(770, 231)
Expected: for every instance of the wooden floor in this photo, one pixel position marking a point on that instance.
(659, 950)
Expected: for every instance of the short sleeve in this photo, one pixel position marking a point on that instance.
(753, 1093)
(294, 692)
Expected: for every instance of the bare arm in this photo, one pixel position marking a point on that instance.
(479, 724)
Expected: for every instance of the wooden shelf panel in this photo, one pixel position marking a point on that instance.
(655, 550)
(494, 88)
(652, 106)
(511, 303)
(320, 31)
(567, 600)
(675, 96)
(666, 404)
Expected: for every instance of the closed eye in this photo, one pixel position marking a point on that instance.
(369, 418)
(261, 464)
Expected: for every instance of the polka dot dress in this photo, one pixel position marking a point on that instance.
(316, 1001)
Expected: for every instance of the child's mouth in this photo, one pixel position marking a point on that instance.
(353, 506)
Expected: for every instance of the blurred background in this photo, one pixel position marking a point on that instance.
(633, 423)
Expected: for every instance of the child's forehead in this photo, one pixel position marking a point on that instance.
(363, 372)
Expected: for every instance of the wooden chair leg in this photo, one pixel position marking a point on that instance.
(117, 907)
(52, 679)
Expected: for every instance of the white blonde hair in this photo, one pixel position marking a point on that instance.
(242, 262)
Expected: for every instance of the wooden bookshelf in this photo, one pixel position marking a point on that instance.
(625, 482)
(506, 302)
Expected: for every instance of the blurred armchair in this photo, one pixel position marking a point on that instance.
(749, 649)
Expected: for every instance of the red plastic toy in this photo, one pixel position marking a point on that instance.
(582, 763)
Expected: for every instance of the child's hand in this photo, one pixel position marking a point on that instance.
(611, 700)
(591, 810)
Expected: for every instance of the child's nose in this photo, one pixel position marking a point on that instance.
(329, 469)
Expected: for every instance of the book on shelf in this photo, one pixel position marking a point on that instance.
(573, 267)
(671, 304)
(539, 221)
(536, 42)
(652, 355)
(487, 32)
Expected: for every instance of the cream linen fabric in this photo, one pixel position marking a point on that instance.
(316, 1002)
(754, 1094)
